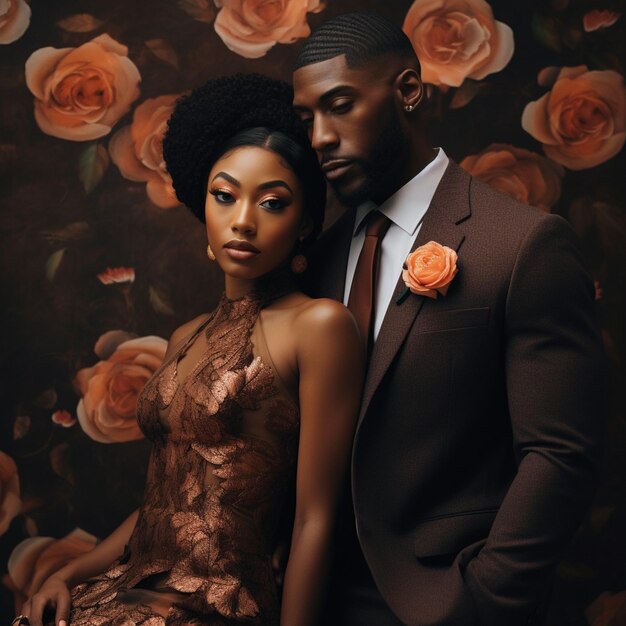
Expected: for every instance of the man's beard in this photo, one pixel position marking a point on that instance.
(380, 169)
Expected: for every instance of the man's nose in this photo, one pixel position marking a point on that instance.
(243, 219)
(323, 134)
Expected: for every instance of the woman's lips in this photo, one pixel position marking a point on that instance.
(240, 250)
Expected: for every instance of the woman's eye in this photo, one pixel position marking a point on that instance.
(273, 204)
(222, 196)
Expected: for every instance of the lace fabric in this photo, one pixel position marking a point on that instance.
(222, 465)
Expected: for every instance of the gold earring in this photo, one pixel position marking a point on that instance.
(299, 262)
(210, 253)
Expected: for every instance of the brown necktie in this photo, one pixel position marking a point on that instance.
(362, 292)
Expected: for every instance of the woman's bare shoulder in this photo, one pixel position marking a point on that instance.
(323, 318)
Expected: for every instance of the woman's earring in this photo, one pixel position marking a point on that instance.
(299, 262)
(210, 253)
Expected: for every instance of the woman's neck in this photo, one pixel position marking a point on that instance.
(280, 280)
(236, 288)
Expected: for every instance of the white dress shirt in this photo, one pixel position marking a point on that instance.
(406, 210)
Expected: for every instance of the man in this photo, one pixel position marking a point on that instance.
(478, 437)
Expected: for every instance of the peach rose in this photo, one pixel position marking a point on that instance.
(608, 609)
(521, 174)
(581, 122)
(63, 418)
(107, 410)
(251, 27)
(81, 93)
(35, 559)
(14, 20)
(457, 39)
(596, 19)
(10, 501)
(429, 269)
(113, 275)
(137, 150)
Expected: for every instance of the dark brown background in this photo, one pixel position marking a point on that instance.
(50, 325)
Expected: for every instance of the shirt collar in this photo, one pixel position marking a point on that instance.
(406, 208)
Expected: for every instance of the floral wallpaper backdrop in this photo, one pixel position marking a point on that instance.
(100, 262)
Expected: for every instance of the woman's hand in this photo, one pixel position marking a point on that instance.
(53, 594)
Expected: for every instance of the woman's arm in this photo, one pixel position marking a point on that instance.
(330, 363)
(54, 593)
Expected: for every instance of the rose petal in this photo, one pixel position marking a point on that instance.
(15, 25)
(502, 52)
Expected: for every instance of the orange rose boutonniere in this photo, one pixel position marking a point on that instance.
(429, 270)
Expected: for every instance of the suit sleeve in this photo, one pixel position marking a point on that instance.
(555, 377)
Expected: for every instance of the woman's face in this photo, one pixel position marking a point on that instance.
(253, 211)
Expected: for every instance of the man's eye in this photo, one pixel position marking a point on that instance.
(273, 204)
(341, 106)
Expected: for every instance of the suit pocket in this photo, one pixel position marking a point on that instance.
(453, 319)
(450, 534)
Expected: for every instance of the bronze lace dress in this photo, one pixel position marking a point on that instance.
(221, 468)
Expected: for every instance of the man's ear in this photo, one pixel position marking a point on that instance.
(409, 88)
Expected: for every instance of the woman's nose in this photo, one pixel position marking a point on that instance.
(243, 219)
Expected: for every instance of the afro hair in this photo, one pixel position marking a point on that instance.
(204, 120)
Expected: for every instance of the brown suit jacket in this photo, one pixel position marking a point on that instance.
(478, 436)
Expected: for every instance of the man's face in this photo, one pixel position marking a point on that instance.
(354, 126)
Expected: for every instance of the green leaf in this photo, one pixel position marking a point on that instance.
(46, 399)
(164, 51)
(159, 302)
(71, 232)
(21, 426)
(80, 23)
(92, 164)
(546, 30)
(599, 516)
(53, 263)
(465, 94)
(201, 10)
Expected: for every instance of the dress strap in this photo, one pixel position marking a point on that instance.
(264, 352)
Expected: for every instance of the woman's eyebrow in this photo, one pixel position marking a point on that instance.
(227, 177)
(275, 183)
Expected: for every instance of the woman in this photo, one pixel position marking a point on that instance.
(261, 391)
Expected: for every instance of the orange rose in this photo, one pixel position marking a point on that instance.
(608, 609)
(596, 19)
(138, 149)
(81, 93)
(581, 122)
(457, 39)
(14, 20)
(521, 174)
(63, 418)
(115, 275)
(429, 269)
(251, 27)
(107, 410)
(10, 501)
(35, 559)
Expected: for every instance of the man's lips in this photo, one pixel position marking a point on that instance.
(238, 249)
(335, 168)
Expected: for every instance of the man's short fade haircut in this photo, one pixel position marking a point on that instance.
(360, 36)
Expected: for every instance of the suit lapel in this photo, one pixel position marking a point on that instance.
(448, 208)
